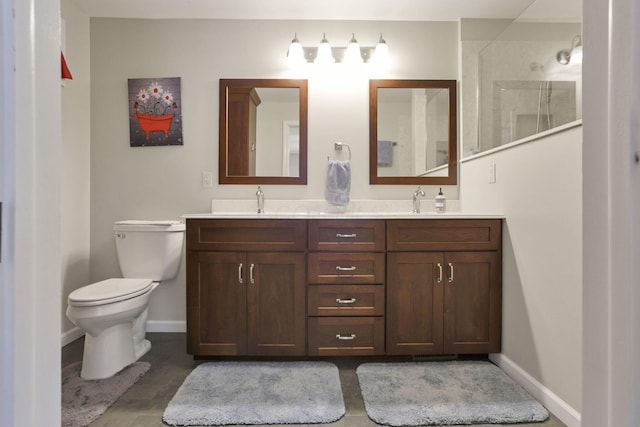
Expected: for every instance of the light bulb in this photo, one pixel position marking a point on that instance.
(352, 55)
(381, 55)
(295, 54)
(324, 55)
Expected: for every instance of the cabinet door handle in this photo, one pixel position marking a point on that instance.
(346, 337)
(339, 268)
(346, 301)
(240, 274)
(251, 279)
(450, 272)
(346, 236)
(439, 279)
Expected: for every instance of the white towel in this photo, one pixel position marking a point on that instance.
(338, 182)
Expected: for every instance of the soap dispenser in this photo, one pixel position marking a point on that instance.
(441, 202)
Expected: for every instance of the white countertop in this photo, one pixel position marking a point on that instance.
(320, 209)
(362, 215)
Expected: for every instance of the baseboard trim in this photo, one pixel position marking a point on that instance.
(71, 335)
(549, 399)
(166, 326)
(152, 326)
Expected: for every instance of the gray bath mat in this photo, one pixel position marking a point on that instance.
(85, 400)
(444, 393)
(219, 393)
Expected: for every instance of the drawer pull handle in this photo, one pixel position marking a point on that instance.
(439, 280)
(346, 301)
(451, 270)
(240, 274)
(346, 337)
(251, 278)
(339, 268)
(346, 236)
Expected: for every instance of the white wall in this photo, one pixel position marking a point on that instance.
(76, 141)
(165, 182)
(538, 187)
(270, 135)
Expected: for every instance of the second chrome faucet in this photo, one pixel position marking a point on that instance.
(416, 199)
(260, 197)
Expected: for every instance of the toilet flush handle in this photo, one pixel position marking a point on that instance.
(120, 235)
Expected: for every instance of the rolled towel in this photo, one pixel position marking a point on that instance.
(338, 182)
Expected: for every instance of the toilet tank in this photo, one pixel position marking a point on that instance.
(149, 249)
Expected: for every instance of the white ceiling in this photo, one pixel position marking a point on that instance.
(378, 10)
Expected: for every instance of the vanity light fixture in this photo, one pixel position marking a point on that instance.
(353, 53)
(573, 55)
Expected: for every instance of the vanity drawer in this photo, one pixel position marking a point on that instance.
(443, 234)
(349, 268)
(346, 235)
(246, 235)
(345, 300)
(346, 336)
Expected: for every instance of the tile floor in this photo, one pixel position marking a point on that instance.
(143, 404)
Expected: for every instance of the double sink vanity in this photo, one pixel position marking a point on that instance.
(311, 283)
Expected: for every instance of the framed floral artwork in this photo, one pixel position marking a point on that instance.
(155, 115)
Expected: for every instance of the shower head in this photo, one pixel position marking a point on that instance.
(572, 55)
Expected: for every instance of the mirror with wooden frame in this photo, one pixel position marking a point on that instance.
(263, 131)
(413, 132)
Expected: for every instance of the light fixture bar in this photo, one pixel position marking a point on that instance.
(310, 53)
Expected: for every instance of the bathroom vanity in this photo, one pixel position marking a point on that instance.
(343, 286)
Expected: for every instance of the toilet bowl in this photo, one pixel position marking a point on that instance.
(108, 311)
(113, 312)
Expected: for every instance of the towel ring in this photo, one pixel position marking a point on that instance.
(338, 147)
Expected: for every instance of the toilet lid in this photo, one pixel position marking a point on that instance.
(108, 291)
(150, 226)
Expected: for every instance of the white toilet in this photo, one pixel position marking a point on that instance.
(113, 312)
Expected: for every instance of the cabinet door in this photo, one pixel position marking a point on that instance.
(414, 303)
(216, 304)
(276, 304)
(473, 302)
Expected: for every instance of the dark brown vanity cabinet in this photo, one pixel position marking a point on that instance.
(246, 287)
(345, 293)
(444, 286)
(343, 287)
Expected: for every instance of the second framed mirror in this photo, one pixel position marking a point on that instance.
(413, 132)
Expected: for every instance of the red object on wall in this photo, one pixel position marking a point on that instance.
(150, 123)
(66, 74)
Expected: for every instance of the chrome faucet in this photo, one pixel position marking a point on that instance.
(260, 196)
(416, 199)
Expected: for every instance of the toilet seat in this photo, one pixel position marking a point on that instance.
(109, 291)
